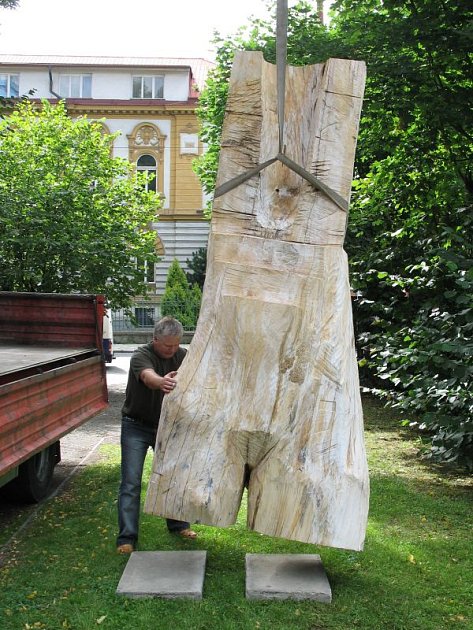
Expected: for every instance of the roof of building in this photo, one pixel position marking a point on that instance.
(199, 67)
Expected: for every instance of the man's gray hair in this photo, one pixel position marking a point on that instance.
(168, 327)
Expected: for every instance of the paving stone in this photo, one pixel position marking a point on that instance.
(166, 574)
(286, 576)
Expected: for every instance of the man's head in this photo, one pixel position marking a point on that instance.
(167, 337)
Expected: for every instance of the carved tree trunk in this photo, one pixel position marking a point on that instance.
(269, 388)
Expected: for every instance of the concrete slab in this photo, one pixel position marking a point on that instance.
(165, 574)
(286, 576)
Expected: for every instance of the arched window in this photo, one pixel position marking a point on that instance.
(146, 150)
(147, 164)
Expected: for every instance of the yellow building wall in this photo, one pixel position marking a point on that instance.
(187, 192)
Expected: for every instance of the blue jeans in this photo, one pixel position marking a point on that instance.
(135, 440)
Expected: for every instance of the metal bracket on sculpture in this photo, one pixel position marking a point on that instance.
(314, 181)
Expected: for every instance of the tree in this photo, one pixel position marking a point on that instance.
(180, 299)
(419, 74)
(410, 231)
(73, 218)
(197, 266)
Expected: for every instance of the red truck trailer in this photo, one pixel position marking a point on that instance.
(52, 379)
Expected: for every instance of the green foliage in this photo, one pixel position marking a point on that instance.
(415, 325)
(176, 276)
(409, 236)
(72, 218)
(210, 113)
(418, 56)
(180, 299)
(197, 266)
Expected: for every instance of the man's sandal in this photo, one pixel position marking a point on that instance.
(187, 533)
(125, 549)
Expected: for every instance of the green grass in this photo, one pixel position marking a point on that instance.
(416, 571)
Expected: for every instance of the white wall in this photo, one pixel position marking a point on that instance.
(33, 79)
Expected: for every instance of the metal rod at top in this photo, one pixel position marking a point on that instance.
(281, 55)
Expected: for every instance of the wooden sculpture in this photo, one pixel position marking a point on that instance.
(268, 393)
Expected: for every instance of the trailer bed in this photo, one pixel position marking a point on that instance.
(15, 357)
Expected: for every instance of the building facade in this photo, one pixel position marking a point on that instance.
(151, 102)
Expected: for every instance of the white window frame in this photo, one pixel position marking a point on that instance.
(157, 85)
(149, 275)
(69, 77)
(9, 76)
(151, 170)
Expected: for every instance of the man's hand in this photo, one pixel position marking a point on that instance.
(168, 382)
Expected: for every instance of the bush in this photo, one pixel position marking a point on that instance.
(197, 266)
(180, 299)
(416, 335)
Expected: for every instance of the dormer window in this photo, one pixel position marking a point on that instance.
(9, 85)
(148, 87)
(75, 85)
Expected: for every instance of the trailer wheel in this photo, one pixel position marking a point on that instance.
(35, 475)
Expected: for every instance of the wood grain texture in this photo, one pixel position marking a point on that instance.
(270, 384)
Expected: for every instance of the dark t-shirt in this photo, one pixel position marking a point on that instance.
(142, 403)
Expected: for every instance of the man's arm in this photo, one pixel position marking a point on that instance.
(152, 380)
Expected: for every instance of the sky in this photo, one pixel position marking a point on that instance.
(126, 28)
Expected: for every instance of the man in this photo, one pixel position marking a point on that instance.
(153, 368)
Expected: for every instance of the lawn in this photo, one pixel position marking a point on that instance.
(416, 571)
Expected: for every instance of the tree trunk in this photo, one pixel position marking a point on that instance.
(269, 391)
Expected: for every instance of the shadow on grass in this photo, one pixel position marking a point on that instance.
(378, 417)
(385, 421)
